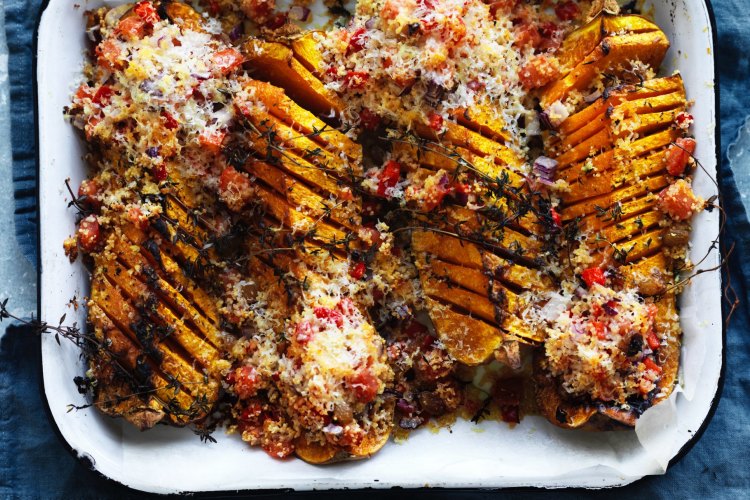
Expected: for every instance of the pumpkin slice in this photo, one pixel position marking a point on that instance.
(613, 55)
(285, 109)
(275, 63)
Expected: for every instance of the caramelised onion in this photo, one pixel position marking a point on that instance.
(299, 13)
(544, 169)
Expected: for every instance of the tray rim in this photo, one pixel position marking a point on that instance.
(86, 462)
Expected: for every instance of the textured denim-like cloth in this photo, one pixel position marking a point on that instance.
(35, 464)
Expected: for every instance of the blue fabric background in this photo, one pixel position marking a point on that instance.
(35, 464)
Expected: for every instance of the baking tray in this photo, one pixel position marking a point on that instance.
(487, 455)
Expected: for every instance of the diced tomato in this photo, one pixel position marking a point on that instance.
(88, 193)
(346, 307)
(329, 315)
(436, 122)
(593, 275)
(108, 54)
(89, 234)
(356, 41)
(539, 71)
(169, 121)
(651, 365)
(225, 61)
(567, 11)
(212, 139)
(131, 27)
(276, 21)
(653, 341)
(527, 34)
(365, 385)
(678, 200)
(235, 188)
(231, 178)
(556, 219)
(90, 126)
(358, 270)
(103, 95)
(346, 194)
(600, 330)
(147, 12)
(160, 172)
(678, 155)
(252, 411)
(550, 36)
(333, 72)
(548, 29)
(683, 120)
(277, 448)
(389, 177)
(83, 92)
(431, 23)
(369, 235)
(596, 310)
(304, 332)
(437, 193)
(369, 120)
(356, 80)
(246, 382)
(137, 218)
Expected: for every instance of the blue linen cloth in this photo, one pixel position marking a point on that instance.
(35, 464)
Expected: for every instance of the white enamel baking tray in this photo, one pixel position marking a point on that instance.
(488, 455)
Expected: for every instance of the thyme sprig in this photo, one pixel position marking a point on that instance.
(91, 346)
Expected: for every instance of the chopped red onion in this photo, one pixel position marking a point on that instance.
(299, 13)
(609, 309)
(544, 169)
(544, 121)
(405, 407)
(370, 23)
(444, 182)
(333, 429)
(237, 31)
